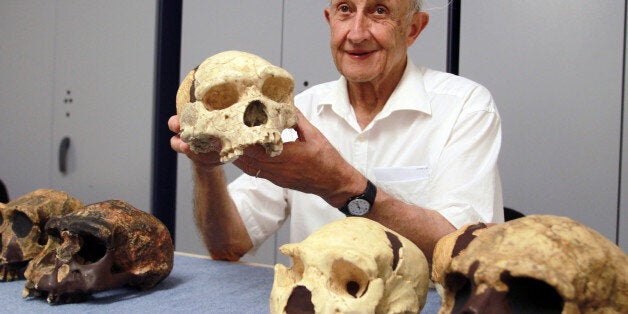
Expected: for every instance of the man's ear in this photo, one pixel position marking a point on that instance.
(417, 25)
(327, 16)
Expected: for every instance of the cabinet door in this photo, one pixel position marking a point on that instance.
(26, 71)
(555, 71)
(210, 27)
(103, 99)
(623, 205)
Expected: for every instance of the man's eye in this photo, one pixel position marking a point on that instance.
(343, 8)
(380, 10)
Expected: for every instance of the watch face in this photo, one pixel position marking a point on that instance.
(358, 207)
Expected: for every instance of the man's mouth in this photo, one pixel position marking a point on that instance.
(359, 53)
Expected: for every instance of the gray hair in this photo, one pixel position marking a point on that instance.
(416, 5)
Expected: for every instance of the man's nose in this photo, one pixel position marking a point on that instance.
(360, 29)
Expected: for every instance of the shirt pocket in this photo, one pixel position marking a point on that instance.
(409, 184)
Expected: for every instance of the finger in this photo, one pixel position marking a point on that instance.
(173, 124)
(174, 143)
(178, 145)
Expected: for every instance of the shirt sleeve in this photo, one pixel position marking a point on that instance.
(262, 206)
(466, 185)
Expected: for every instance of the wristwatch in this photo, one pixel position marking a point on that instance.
(360, 205)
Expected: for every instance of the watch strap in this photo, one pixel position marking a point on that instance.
(369, 195)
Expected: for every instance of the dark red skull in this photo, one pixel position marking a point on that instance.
(100, 247)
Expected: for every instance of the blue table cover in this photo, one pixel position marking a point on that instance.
(195, 285)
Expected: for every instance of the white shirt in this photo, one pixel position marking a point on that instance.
(435, 144)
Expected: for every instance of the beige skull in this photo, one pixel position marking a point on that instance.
(353, 265)
(538, 263)
(22, 228)
(238, 98)
(99, 247)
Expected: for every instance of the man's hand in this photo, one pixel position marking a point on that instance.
(310, 164)
(206, 160)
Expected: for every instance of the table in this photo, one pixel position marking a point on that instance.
(196, 284)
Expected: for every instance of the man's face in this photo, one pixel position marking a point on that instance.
(369, 38)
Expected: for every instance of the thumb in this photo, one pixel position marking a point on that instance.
(305, 130)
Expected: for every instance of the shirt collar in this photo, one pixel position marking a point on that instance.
(410, 94)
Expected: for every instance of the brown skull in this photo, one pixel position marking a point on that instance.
(239, 99)
(100, 247)
(22, 229)
(538, 263)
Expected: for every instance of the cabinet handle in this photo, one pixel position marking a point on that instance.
(63, 155)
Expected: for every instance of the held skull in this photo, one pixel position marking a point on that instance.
(22, 228)
(100, 247)
(238, 98)
(538, 263)
(353, 265)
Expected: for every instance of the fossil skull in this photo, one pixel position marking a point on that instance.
(100, 247)
(538, 263)
(238, 98)
(353, 265)
(450, 246)
(22, 228)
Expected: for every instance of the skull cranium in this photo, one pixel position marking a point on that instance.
(238, 98)
(22, 228)
(99, 247)
(538, 263)
(353, 265)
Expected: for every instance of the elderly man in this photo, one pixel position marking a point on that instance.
(411, 148)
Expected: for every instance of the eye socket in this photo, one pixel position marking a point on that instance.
(22, 225)
(529, 295)
(278, 89)
(348, 279)
(461, 286)
(221, 96)
(92, 250)
(300, 301)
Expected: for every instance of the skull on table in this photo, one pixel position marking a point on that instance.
(450, 246)
(100, 247)
(22, 228)
(239, 99)
(353, 265)
(538, 263)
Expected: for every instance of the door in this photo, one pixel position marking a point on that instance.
(103, 100)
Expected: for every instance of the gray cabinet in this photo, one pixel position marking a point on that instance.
(81, 70)
(555, 71)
